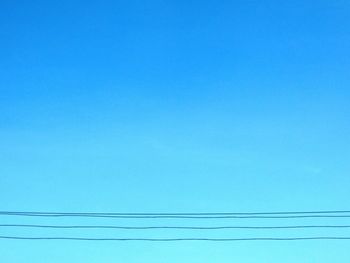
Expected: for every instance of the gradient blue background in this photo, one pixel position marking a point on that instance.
(174, 106)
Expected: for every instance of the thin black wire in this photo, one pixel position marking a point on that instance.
(252, 215)
(176, 214)
(179, 217)
(176, 239)
(173, 227)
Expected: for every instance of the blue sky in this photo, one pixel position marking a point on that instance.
(174, 106)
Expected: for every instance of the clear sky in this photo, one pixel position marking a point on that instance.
(174, 106)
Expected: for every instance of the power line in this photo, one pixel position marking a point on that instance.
(225, 215)
(189, 217)
(172, 227)
(177, 239)
(267, 215)
(173, 214)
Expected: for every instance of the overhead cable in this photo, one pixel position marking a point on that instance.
(178, 239)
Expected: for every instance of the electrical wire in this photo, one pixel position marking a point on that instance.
(172, 227)
(177, 239)
(173, 214)
(267, 215)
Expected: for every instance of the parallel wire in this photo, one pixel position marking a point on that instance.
(181, 217)
(172, 227)
(177, 239)
(176, 214)
(261, 215)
